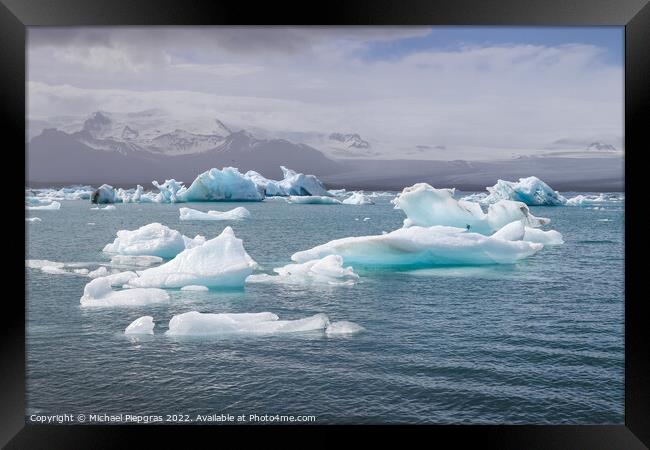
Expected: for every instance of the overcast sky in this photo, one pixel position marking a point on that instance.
(470, 91)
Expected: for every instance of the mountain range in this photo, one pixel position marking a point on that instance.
(125, 149)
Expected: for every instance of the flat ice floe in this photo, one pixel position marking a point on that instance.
(194, 323)
(32, 219)
(75, 192)
(99, 293)
(328, 270)
(136, 260)
(195, 287)
(221, 262)
(532, 191)
(313, 200)
(293, 183)
(153, 239)
(53, 206)
(343, 327)
(238, 213)
(427, 206)
(141, 325)
(358, 198)
(423, 246)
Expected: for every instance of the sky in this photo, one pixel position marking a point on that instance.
(450, 92)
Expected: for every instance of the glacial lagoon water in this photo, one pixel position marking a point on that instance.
(538, 342)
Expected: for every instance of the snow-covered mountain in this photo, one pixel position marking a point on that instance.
(349, 145)
(601, 147)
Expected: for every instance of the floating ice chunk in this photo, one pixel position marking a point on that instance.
(590, 200)
(343, 327)
(104, 194)
(120, 278)
(532, 191)
(99, 293)
(195, 287)
(141, 325)
(130, 195)
(101, 271)
(358, 198)
(337, 192)
(516, 231)
(75, 192)
(55, 270)
(221, 262)
(422, 246)
(90, 223)
(169, 191)
(328, 270)
(313, 200)
(196, 323)
(550, 237)
(48, 207)
(238, 213)
(32, 219)
(426, 206)
(153, 239)
(219, 185)
(82, 271)
(40, 263)
(136, 260)
(108, 208)
(365, 219)
(293, 183)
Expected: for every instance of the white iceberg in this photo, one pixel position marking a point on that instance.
(343, 327)
(141, 325)
(153, 239)
(532, 191)
(135, 260)
(169, 191)
(53, 206)
(82, 271)
(130, 195)
(221, 262)
(328, 270)
(75, 192)
(195, 287)
(104, 194)
(313, 200)
(194, 323)
(238, 213)
(293, 183)
(227, 184)
(591, 200)
(427, 206)
(32, 219)
(358, 198)
(40, 263)
(423, 246)
(99, 293)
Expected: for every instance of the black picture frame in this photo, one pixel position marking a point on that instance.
(16, 15)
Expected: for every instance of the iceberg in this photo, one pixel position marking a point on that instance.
(141, 325)
(343, 327)
(221, 262)
(422, 246)
(32, 219)
(532, 191)
(54, 205)
(194, 323)
(590, 200)
(168, 192)
(75, 192)
(195, 287)
(313, 200)
(358, 198)
(153, 239)
(130, 195)
(328, 270)
(293, 183)
(227, 184)
(135, 260)
(104, 194)
(427, 206)
(99, 293)
(238, 213)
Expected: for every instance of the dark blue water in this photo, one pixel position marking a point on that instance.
(536, 342)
